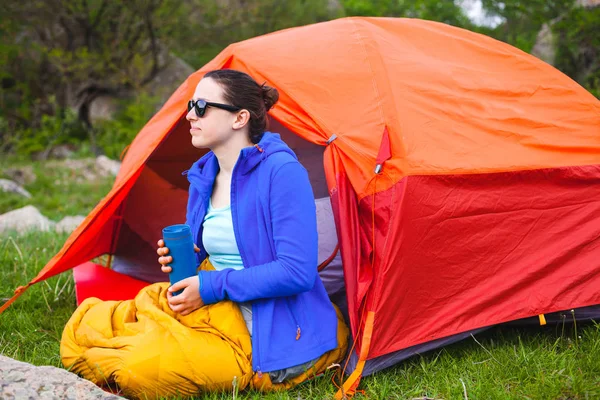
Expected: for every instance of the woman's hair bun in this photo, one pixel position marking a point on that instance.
(270, 96)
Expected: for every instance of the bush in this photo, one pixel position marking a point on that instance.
(64, 127)
(112, 136)
(61, 128)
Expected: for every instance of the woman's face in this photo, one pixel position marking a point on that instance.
(215, 128)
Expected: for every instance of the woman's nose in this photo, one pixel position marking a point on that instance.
(191, 115)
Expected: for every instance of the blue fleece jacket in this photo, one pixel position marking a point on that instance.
(274, 222)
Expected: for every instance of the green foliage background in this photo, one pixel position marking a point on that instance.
(55, 54)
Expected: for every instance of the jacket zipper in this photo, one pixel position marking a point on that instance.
(234, 217)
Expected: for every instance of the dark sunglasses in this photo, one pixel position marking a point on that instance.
(200, 107)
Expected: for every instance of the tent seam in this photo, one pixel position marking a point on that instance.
(322, 125)
(431, 173)
(382, 119)
(361, 39)
(385, 247)
(325, 129)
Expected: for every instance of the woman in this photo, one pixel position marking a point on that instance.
(252, 210)
(257, 314)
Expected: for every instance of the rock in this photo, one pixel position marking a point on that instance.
(161, 87)
(334, 7)
(83, 170)
(23, 220)
(12, 187)
(57, 152)
(103, 108)
(22, 175)
(69, 224)
(168, 79)
(588, 3)
(19, 380)
(61, 152)
(105, 166)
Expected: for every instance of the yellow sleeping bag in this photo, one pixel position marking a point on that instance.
(150, 351)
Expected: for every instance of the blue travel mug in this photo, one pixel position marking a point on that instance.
(178, 238)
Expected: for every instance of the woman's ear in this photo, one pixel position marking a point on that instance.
(242, 118)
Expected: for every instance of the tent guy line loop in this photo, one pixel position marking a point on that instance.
(331, 139)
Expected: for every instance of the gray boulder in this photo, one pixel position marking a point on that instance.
(82, 170)
(12, 187)
(19, 380)
(69, 224)
(103, 108)
(24, 219)
(161, 87)
(588, 3)
(105, 166)
(22, 175)
(62, 152)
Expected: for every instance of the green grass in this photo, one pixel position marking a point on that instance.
(58, 191)
(550, 362)
(30, 329)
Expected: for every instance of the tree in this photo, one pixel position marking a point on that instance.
(574, 33)
(61, 54)
(212, 26)
(448, 12)
(523, 19)
(74, 51)
(578, 46)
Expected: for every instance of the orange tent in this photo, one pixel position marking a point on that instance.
(463, 175)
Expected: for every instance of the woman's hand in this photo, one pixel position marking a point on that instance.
(164, 259)
(187, 301)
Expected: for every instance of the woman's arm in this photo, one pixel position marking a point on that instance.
(293, 217)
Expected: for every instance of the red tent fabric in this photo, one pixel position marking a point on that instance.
(463, 174)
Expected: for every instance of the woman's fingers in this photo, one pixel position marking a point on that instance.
(162, 251)
(196, 249)
(165, 260)
(176, 300)
(180, 310)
